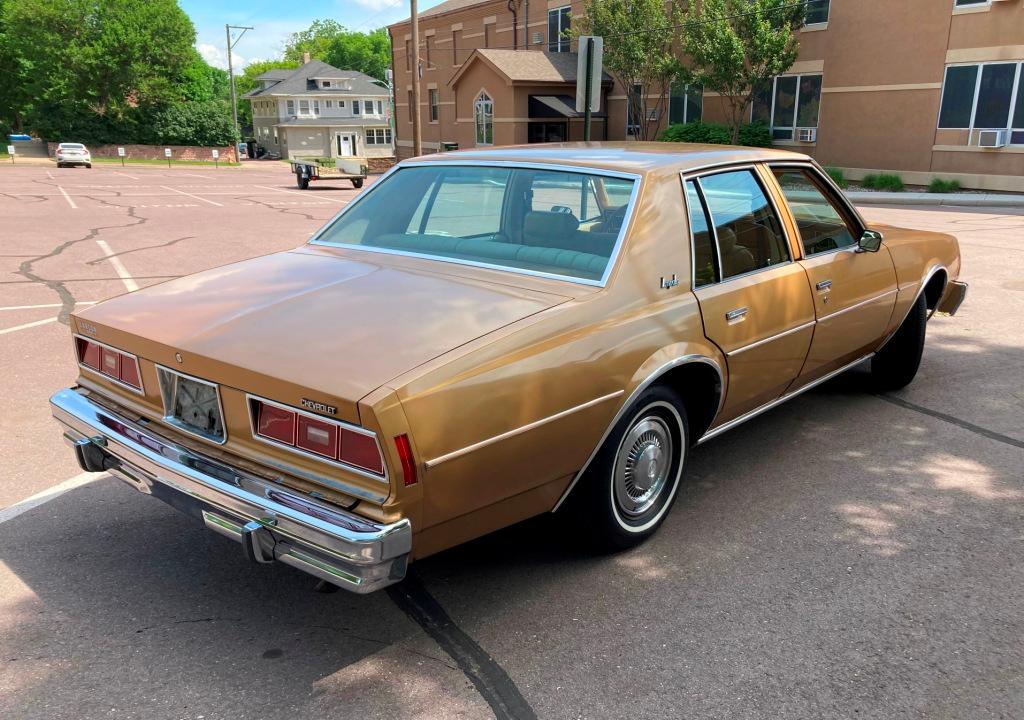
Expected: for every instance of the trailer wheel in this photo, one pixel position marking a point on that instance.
(357, 183)
(301, 180)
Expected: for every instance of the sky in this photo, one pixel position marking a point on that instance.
(274, 21)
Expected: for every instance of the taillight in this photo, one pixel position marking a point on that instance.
(308, 434)
(119, 366)
(405, 455)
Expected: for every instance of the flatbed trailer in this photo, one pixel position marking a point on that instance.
(343, 168)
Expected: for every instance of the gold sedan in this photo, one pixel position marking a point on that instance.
(488, 335)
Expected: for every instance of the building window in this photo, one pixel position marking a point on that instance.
(341, 104)
(380, 107)
(275, 136)
(368, 107)
(316, 107)
(817, 12)
(685, 103)
(303, 107)
(430, 42)
(634, 108)
(327, 83)
(411, 108)
(487, 36)
(408, 57)
(355, 107)
(291, 107)
(984, 96)
(432, 94)
(558, 25)
(787, 103)
(483, 116)
(378, 136)
(968, 3)
(329, 103)
(455, 44)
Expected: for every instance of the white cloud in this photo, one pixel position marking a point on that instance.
(215, 55)
(380, 4)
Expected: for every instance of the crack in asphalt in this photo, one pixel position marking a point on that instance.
(27, 268)
(977, 429)
(98, 260)
(286, 211)
(490, 679)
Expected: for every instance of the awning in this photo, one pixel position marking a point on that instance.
(556, 106)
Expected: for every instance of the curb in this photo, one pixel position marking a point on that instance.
(936, 199)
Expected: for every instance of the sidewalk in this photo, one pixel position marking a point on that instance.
(939, 199)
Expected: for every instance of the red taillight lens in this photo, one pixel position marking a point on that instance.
(317, 437)
(360, 450)
(110, 362)
(408, 462)
(276, 423)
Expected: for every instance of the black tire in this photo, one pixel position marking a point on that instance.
(88, 166)
(617, 509)
(896, 364)
(302, 181)
(60, 165)
(357, 183)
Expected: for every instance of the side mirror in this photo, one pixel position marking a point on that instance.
(870, 241)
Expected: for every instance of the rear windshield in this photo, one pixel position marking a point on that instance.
(523, 219)
(72, 146)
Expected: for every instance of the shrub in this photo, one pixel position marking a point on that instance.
(754, 134)
(837, 176)
(195, 123)
(892, 183)
(938, 185)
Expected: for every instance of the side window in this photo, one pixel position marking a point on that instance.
(704, 259)
(748, 233)
(822, 227)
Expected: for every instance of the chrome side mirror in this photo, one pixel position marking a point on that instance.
(870, 241)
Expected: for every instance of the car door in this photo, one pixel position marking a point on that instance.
(854, 292)
(754, 299)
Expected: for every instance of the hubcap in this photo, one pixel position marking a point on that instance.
(642, 465)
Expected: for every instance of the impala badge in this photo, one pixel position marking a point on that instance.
(319, 407)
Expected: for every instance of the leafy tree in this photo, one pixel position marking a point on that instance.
(201, 82)
(638, 51)
(195, 123)
(315, 40)
(368, 53)
(247, 81)
(735, 48)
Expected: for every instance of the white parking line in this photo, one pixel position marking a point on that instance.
(304, 194)
(50, 175)
(47, 305)
(203, 177)
(26, 326)
(9, 513)
(68, 198)
(194, 197)
(125, 175)
(119, 268)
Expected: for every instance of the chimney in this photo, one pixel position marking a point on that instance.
(305, 58)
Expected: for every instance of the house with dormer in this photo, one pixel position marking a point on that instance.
(319, 110)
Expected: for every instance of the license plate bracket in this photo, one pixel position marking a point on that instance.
(192, 405)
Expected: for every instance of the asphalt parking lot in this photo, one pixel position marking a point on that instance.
(845, 555)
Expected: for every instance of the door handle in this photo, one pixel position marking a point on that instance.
(823, 285)
(737, 314)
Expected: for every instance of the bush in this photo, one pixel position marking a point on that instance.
(195, 123)
(938, 185)
(754, 134)
(837, 176)
(892, 183)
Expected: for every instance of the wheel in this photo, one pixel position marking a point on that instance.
(60, 165)
(88, 166)
(629, 487)
(302, 181)
(896, 364)
(357, 183)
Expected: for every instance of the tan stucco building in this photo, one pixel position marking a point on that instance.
(923, 88)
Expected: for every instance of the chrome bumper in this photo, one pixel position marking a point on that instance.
(271, 522)
(952, 298)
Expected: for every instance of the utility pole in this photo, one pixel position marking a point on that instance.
(417, 132)
(231, 74)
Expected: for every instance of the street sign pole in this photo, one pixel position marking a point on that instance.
(588, 79)
(589, 88)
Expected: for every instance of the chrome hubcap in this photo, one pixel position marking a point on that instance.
(642, 465)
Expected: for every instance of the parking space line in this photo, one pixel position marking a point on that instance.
(125, 175)
(68, 198)
(194, 197)
(202, 177)
(26, 326)
(119, 268)
(29, 503)
(50, 175)
(47, 305)
(296, 192)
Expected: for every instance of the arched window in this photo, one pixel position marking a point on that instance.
(483, 115)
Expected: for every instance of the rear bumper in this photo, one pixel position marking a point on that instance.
(271, 522)
(953, 298)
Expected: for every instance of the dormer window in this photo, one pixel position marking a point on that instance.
(327, 83)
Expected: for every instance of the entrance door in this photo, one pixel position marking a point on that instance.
(854, 292)
(346, 145)
(754, 299)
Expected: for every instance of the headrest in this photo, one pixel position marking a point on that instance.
(726, 239)
(548, 224)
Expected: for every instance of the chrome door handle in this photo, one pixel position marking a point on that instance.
(824, 285)
(737, 314)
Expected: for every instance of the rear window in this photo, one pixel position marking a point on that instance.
(72, 146)
(565, 224)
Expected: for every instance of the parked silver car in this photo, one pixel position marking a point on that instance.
(73, 154)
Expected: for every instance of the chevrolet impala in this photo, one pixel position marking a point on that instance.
(487, 335)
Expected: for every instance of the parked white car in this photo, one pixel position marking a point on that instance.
(73, 154)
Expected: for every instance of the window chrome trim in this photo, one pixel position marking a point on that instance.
(661, 370)
(249, 398)
(520, 430)
(613, 258)
(770, 338)
(117, 381)
(168, 415)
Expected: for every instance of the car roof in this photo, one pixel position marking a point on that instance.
(624, 156)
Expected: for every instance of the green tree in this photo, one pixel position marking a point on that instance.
(195, 123)
(247, 82)
(315, 40)
(639, 51)
(735, 48)
(368, 53)
(201, 82)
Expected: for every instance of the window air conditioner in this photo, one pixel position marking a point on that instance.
(807, 135)
(992, 138)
